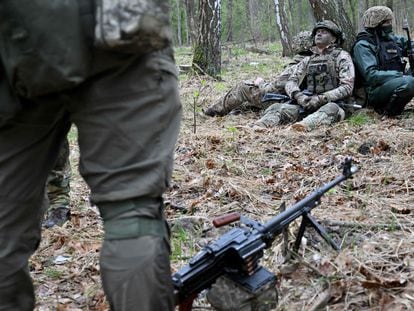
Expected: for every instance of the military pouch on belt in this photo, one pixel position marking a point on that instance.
(132, 26)
(43, 48)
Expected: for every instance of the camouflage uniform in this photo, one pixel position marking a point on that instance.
(329, 75)
(125, 105)
(227, 295)
(58, 189)
(247, 95)
(378, 57)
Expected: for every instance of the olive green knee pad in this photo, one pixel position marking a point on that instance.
(133, 218)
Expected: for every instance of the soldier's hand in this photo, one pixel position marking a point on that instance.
(314, 103)
(258, 81)
(302, 99)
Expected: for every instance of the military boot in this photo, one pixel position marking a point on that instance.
(56, 217)
(223, 106)
(394, 107)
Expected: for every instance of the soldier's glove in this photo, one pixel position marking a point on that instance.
(301, 99)
(315, 102)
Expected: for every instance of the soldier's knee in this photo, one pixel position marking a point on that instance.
(333, 111)
(409, 85)
(133, 218)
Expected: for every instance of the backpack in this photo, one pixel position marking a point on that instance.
(132, 26)
(44, 49)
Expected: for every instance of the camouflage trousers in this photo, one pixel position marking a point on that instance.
(243, 96)
(226, 295)
(284, 113)
(58, 181)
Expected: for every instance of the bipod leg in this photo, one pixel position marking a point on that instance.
(321, 230)
(301, 231)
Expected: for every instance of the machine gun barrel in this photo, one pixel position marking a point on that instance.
(279, 222)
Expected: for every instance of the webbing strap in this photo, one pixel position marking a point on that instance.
(128, 228)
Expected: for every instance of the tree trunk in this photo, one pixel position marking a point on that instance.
(192, 21)
(179, 37)
(354, 14)
(295, 27)
(230, 20)
(283, 28)
(362, 6)
(253, 11)
(335, 11)
(207, 49)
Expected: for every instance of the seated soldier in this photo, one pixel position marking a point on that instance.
(378, 57)
(249, 94)
(319, 84)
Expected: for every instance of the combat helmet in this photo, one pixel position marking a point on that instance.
(376, 15)
(302, 42)
(332, 27)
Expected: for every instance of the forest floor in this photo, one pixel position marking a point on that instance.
(224, 165)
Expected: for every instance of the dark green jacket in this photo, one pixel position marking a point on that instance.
(366, 60)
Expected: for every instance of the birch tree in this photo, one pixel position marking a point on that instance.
(283, 28)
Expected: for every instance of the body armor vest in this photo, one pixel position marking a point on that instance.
(390, 56)
(321, 72)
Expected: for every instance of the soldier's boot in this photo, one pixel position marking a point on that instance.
(224, 105)
(57, 216)
(395, 106)
(58, 212)
(326, 115)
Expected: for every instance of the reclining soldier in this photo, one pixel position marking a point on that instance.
(378, 57)
(320, 84)
(249, 93)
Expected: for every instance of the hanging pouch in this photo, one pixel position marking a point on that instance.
(132, 26)
(43, 48)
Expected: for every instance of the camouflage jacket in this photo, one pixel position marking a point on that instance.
(278, 84)
(344, 68)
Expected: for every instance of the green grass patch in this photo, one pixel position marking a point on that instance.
(182, 244)
(52, 273)
(359, 119)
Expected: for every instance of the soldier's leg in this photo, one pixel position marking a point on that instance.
(134, 261)
(58, 189)
(28, 145)
(278, 114)
(239, 94)
(392, 97)
(326, 115)
(128, 123)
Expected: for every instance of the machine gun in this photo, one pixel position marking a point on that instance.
(275, 97)
(410, 53)
(270, 97)
(237, 253)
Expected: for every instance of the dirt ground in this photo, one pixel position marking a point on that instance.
(225, 165)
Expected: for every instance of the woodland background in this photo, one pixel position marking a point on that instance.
(210, 25)
(224, 165)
